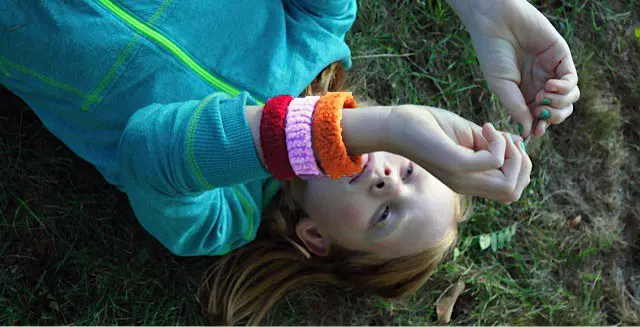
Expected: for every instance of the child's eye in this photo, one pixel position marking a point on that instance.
(382, 220)
(408, 172)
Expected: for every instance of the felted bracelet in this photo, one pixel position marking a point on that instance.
(273, 139)
(327, 135)
(298, 133)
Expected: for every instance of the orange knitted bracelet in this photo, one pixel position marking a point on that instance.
(327, 135)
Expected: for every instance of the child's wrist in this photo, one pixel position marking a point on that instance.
(253, 114)
(365, 130)
(403, 125)
(292, 134)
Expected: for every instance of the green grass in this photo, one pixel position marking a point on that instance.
(72, 252)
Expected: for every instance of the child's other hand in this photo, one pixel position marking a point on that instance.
(470, 159)
(527, 63)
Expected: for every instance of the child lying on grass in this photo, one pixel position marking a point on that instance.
(151, 93)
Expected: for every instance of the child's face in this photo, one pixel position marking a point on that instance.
(393, 208)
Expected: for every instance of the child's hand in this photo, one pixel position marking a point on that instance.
(527, 63)
(469, 159)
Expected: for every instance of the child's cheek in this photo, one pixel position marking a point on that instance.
(353, 216)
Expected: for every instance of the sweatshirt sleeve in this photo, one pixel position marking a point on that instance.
(333, 8)
(182, 166)
(336, 16)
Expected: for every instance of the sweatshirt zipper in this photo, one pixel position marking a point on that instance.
(170, 46)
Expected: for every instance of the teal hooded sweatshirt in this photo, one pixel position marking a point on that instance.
(153, 92)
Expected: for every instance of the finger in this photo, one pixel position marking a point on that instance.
(553, 115)
(541, 128)
(492, 158)
(567, 70)
(470, 183)
(489, 184)
(511, 168)
(498, 185)
(511, 97)
(497, 144)
(525, 172)
(562, 86)
(479, 141)
(482, 184)
(517, 138)
(506, 185)
(557, 100)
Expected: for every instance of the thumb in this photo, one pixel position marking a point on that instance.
(511, 98)
(487, 159)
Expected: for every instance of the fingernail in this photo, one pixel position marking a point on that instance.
(545, 102)
(524, 147)
(520, 129)
(511, 137)
(545, 114)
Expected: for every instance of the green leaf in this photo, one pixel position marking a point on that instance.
(494, 242)
(502, 235)
(512, 229)
(485, 241)
(467, 242)
(456, 253)
(507, 236)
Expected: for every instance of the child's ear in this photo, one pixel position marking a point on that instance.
(310, 236)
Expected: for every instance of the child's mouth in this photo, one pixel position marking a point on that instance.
(365, 163)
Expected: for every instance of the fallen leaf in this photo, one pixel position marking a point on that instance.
(446, 301)
(575, 221)
(507, 236)
(502, 237)
(494, 242)
(485, 241)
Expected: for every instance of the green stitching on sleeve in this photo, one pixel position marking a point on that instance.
(191, 158)
(49, 80)
(123, 56)
(191, 131)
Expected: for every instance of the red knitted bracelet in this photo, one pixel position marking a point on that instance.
(272, 137)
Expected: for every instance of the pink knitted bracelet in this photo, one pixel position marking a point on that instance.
(298, 135)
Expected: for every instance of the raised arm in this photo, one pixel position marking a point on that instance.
(194, 177)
